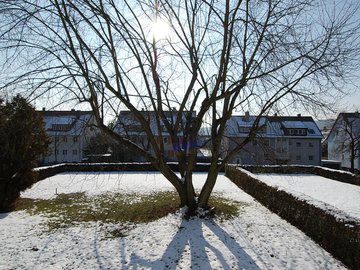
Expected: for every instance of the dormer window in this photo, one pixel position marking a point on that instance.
(134, 128)
(296, 132)
(311, 131)
(61, 127)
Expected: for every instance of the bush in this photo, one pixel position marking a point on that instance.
(339, 235)
(22, 142)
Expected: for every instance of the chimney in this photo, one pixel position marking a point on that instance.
(299, 115)
(43, 109)
(247, 116)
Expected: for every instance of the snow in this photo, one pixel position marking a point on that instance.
(255, 239)
(294, 124)
(335, 196)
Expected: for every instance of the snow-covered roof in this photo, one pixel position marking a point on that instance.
(294, 124)
(63, 123)
(239, 126)
(128, 123)
(279, 124)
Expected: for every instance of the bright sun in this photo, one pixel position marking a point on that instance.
(159, 30)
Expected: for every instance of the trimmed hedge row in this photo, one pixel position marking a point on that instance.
(46, 172)
(341, 176)
(339, 237)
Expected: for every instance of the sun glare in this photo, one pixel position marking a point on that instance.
(159, 30)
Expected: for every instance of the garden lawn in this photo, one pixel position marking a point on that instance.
(254, 239)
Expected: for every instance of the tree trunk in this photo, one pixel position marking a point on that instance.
(352, 160)
(190, 194)
(203, 201)
(352, 156)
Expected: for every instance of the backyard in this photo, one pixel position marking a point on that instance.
(38, 237)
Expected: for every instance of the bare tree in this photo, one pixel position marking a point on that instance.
(213, 57)
(347, 129)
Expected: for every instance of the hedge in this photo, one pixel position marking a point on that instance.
(48, 171)
(339, 236)
(337, 175)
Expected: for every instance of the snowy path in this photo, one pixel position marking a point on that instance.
(256, 239)
(316, 189)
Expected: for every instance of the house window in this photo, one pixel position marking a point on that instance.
(75, 139)
(64, 139)
(311, 157)
(165, 140)
(64, 152)
(56, 139)
(298, 144)
(298, 157)
(57, 152)
(311, 144)
(254, 142)
(75, 152)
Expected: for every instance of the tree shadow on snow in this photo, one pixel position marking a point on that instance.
(3, 215)
(196, 243)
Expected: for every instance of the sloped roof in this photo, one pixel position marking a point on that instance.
(127, 119)
(241, 121)
(354, 118)
(275, 125)
(76, 121)
(278, 124)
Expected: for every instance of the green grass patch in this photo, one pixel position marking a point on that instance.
(69, 209)
(224, 208)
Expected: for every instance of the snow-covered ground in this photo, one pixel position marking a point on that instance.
(338, 197)
(255, 239)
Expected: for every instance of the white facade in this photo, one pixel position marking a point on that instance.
(279, 140)
(69, 132)
(345, 133)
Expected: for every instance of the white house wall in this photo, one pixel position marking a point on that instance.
(272, 145)
(335, 152)
(68, 145)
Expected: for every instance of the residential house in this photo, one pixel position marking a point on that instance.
(344, 141)
(129, 127)
(278, 140)
(70, 132)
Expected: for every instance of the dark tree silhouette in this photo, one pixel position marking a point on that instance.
(22, 142)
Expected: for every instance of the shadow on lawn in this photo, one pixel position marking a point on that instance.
(191, 246)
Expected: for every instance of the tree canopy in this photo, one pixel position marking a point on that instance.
(209, 56)
(23, 140)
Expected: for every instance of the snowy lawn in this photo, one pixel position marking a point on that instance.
(338, 197)
(255, 239)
